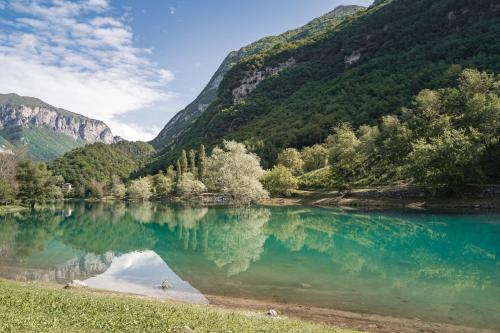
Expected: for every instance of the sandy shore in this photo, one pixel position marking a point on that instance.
(343, 319)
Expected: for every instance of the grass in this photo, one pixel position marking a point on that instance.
(35, 308)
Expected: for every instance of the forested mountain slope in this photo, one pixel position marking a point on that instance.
(369, 65)
(183, 119)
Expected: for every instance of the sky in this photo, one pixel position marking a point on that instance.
(133, 63)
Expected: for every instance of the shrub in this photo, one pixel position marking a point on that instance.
(279, 181)
(188, 186)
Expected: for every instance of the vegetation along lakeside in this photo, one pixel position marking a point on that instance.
(342, 176)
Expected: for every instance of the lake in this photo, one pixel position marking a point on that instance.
(434, 266)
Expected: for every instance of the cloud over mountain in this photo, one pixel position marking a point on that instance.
(80, 55)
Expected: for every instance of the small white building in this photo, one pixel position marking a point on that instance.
(67, 187)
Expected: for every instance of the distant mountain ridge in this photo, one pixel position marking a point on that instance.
(184, 118)
(45, 131)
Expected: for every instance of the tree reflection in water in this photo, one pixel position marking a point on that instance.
(353, 259)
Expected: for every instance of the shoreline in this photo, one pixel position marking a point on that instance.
(346, 320)
(364, 322)
(375, 199)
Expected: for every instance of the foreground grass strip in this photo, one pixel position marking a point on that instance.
(31, 308)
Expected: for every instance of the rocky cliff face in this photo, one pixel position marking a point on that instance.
(27, 112)
(182, 121)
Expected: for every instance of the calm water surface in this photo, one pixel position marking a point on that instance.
(438, 267)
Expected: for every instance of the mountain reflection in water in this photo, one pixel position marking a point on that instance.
(439, 267)
(143, 273)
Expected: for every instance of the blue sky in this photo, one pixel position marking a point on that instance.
(133, 63)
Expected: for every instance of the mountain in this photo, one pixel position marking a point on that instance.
(44, 131)
(370, 64)
(179, 124)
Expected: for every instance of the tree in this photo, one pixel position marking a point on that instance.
(184, 162)
(236, 172)
(179, 170)
(118, 189)
(139, 189)
(8, 170)
(202, 163)
(96, 189)
(279, 181)
(445, 161)
(346, 161)
(192, 162)
(171, 174)
(37, 184)
(291, 159)
(162, 185)
(315, 157)
(189, 186)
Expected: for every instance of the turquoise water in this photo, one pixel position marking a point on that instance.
(433, 266)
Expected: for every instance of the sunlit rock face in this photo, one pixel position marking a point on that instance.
(144, 273)
(253, 78)
(27, 112)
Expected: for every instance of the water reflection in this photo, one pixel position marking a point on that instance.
(434, 266)
(143, 273)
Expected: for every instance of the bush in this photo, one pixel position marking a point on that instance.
(162, 185)
(188, 186)
(317, 179)
(279, 181)
(291, 159)
(139, 189)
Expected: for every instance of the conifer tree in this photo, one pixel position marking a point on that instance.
(202, 163)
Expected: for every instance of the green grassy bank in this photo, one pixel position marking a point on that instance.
(35, 308)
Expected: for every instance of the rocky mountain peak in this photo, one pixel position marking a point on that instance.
(28, 112)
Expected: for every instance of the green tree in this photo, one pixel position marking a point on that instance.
(192, 162)
(202, 160)
(37, 184)
(189, 186)
(8, 170)
(447, 160)
(118, 189)
(279, 181)
(162, 185)
(139, 189)
(345, 159)
(236, 172)
(184, 162)
(292, 159)
(315, 157)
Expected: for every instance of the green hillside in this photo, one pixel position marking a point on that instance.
(314, 29)
(100, 162)
(368, 66)
(40, 144)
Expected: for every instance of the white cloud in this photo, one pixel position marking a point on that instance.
(166, 75)
(74, 55)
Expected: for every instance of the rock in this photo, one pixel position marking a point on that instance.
(166, 285)
(183, 329)
(76, 284)
(353, 58)
(253, 78)
(305, 285)
(27, 112)
(272, 313)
